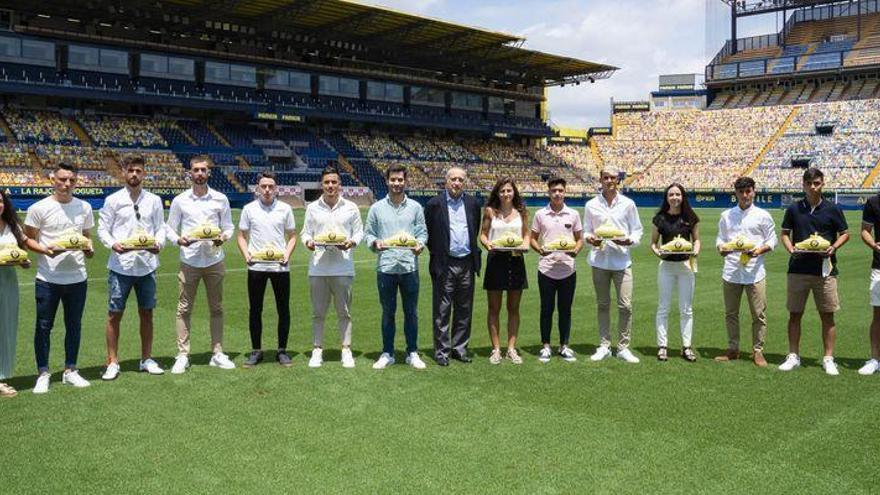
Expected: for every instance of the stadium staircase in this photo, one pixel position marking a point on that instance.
(769, 144)
(230, 176)
(871, 176)
(81, 133)
(7, 131)
(597, 157)
(219, 137)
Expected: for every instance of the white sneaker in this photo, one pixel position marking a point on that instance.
(567, 354)
(545, 355)
(792, 361)
(829, 366)
(222, 361)
(71, 377)
(181, 363)
(348, 359)
(151, 367)
(870, 367)
(415, 361)
(628, 356)
(384, 360)
(42, 385)
(317, 358)
(112, 372)
(601, 353)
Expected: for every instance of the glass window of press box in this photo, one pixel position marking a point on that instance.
(288, 80)
(381, 91)
(230, 74)
(25, 51)
(167, 67)
(338, 86)
(467, 101)
(427, 96)
(90, 58)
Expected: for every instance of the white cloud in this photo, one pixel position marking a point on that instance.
(643, 38)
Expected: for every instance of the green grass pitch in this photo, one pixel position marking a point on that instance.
(581, 427)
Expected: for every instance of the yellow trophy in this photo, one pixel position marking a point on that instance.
(608, 231)
(401, 240)
(72, 240)
(269, 254)
(205, 232)
(10, 254)
(678, 244)
(813, 244)
(331, 237)
(509, 241)
(140, 240)
(562, 243)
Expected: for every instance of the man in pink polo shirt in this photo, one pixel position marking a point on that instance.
(556, 269)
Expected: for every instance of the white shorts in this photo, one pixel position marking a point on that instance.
(875, 288)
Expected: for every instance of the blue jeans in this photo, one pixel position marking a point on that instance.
(73, 297)
(119, 287)
(408, 284)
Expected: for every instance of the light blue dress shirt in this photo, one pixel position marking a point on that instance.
(386, 219)
(459, 244)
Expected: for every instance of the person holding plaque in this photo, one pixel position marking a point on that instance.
(331, 229)
(59, 228)
(396, 231)
(200, 221)
(504, 232)
(132, 225)
(266, 239)
(13, 243)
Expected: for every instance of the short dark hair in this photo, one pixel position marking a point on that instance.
(553, 181)
(744, 183)
(201, 159)
(132, 161)
(329, 169)
(268, 174)
(66, 166)
(395, 169)
(812, 174)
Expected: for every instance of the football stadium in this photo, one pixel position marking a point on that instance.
(401, 134)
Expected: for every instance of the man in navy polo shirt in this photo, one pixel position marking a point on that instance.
(813, 272)
(870, 234)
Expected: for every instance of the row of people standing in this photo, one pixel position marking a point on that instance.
(450, 227)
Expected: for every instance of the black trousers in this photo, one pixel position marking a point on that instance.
(256, 291)
(556, 294)
(453, 298)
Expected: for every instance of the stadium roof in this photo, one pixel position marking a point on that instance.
(746, 8)
(400, 38)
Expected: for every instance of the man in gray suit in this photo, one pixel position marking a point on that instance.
(453, 221)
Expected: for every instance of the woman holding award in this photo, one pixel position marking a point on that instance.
(675, 239)
(505, 233)
(12, 244)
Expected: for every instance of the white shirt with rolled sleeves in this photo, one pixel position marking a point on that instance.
(188, 211)
(117, 221)
(331, 261)
(622, 212)
(267, 225)
(756, 225)
(53, 219)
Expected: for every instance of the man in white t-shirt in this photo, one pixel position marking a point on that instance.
(267, 224)
(60, 219)
(131, 212)
(196, 209)
(331, 270)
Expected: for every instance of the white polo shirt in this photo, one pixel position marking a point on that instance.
(118, 220)
(53, 219)
(188, 211)
(345, 217)
(267, 225)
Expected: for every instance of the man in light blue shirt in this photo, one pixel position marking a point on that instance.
(397, 218)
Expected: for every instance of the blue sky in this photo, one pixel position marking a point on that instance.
(645, 38)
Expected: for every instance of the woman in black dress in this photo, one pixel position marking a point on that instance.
(505, 217)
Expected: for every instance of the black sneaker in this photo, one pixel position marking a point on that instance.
(284, 359)
(253, 359)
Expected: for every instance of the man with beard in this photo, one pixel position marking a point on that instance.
(131, 212)
(198, 208)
